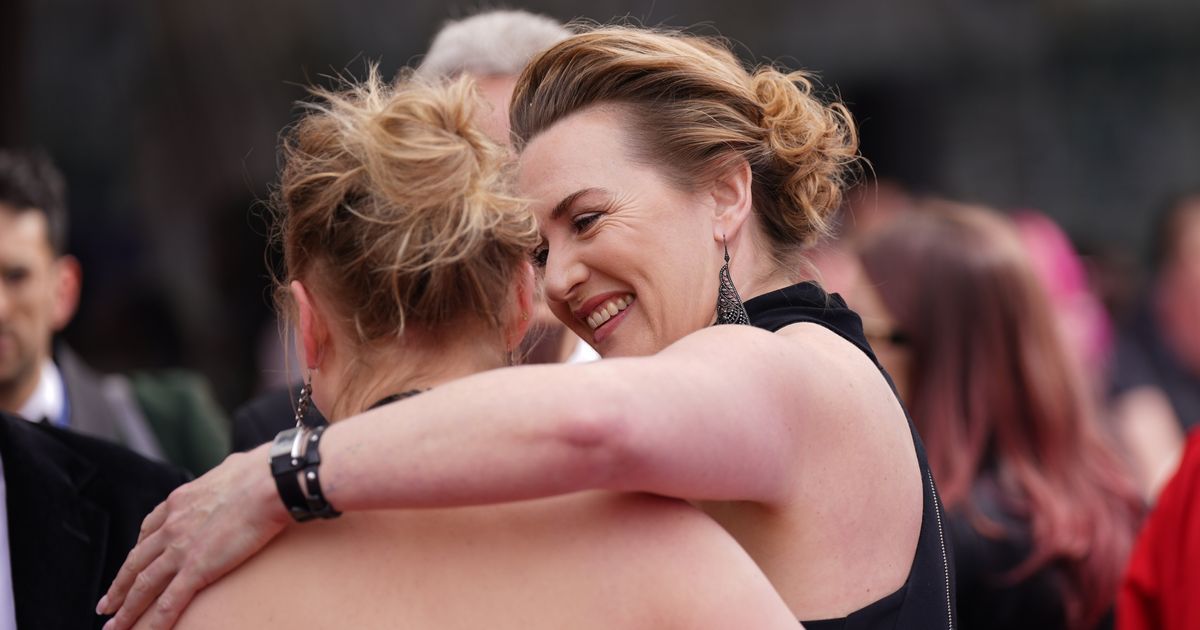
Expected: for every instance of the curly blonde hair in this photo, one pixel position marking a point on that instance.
(397, 206)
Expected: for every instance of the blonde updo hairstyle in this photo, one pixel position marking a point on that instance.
(394, 206)
(696, 112)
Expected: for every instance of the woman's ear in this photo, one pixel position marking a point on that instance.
(732, 200)
(68, 280)
(313, 332)
(525, 293)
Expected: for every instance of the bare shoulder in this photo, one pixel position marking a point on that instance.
(802, 366)
(610, 560)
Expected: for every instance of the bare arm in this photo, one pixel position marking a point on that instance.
(674, 424)
(706, 418)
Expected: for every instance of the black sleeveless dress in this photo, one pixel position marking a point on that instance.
(926, 601)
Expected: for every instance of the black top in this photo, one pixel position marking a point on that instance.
(989, 597)
(926, 601)
(1145, 357)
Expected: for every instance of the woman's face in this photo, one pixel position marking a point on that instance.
(630, 262)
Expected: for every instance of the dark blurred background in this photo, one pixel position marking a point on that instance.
(164, 117)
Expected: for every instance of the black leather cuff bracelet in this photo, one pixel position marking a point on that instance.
(295, 458)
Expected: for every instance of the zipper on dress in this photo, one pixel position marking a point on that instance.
(942, 539)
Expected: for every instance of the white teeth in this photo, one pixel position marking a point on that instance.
(608, 310)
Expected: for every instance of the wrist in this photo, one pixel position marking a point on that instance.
(265, 493)
(295, 462)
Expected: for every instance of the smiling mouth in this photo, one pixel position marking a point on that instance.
(608, 310)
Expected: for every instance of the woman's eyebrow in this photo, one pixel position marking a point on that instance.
(570, 199)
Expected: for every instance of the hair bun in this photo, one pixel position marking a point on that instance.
(400, 201)
(694, 111)
(814, 145)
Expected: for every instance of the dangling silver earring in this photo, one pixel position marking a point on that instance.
(729, 303)
(304, 401)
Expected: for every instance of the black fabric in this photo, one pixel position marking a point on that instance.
(927, 599)
(75, 505)
(988, 598)
(396, 397)
(286, 469)
(258, 421)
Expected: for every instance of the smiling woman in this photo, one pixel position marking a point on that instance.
(663, 174)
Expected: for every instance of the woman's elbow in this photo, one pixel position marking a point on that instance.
(599, 441)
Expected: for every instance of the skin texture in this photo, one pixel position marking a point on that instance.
(792, 441)
(38, 294)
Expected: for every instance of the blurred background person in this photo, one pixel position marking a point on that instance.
(407, 265)
(492, 48)
(1161, 590)
(869, 206)
(1156, 383)
(1083, 323)
(1041, 510)
(168, 416)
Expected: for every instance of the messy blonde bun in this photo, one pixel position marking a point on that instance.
(697, 112)
(395, 204)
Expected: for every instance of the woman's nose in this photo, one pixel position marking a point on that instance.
(563, 274)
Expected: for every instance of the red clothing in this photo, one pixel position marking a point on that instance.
(1161, 589)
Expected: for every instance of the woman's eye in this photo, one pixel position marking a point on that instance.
(584, 221)
(540, 256)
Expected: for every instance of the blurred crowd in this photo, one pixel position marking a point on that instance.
(1055, 391)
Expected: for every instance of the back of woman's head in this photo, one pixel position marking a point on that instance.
(393, 208)
(694, 112)
(993, 392)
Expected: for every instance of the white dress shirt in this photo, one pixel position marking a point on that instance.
(48, 400)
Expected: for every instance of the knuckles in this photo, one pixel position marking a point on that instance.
(141, 583)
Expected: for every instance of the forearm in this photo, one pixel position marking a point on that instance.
(673, 424)
(498, 436)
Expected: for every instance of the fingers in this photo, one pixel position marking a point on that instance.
(173, 601)
(147, 585)
(146, 551)
(153, 521)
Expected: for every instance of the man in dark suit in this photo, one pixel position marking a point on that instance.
(74, 507)
(164, 417)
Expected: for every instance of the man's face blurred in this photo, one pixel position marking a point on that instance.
(497, 89)
(29, 282)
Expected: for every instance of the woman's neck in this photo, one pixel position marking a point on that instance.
(381, 373)
(755, 271)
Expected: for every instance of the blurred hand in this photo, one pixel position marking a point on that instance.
(202, 531)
